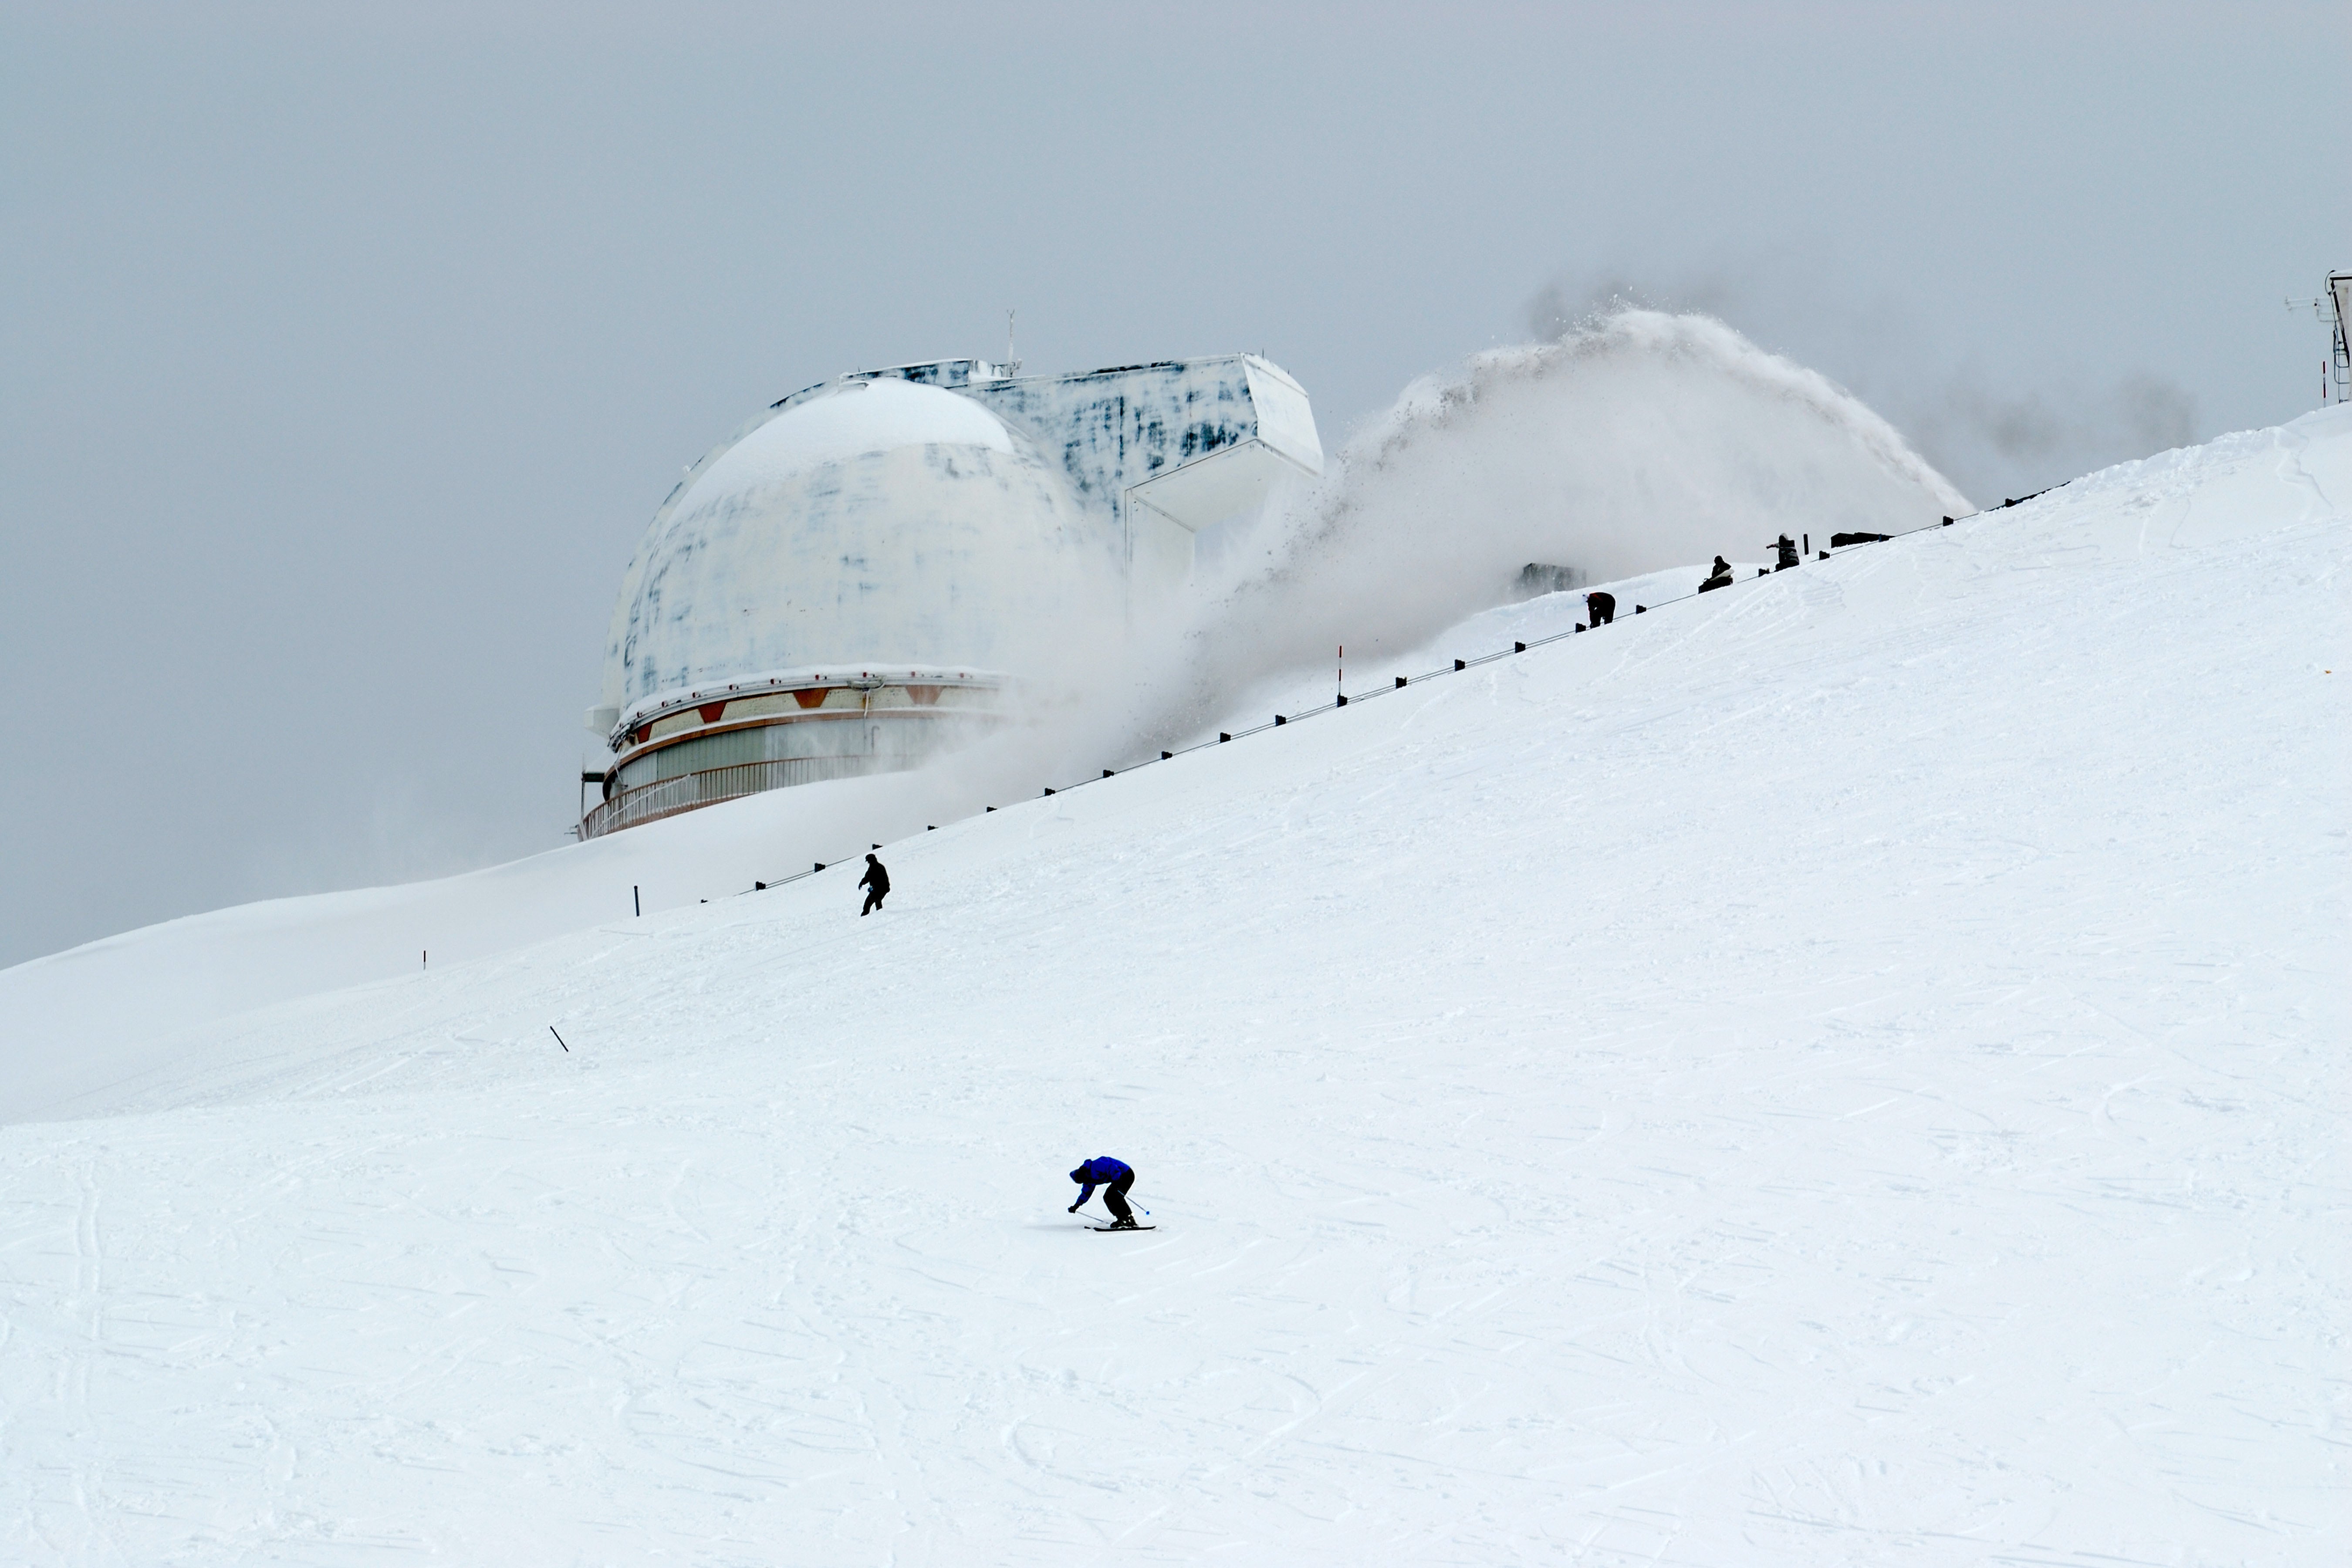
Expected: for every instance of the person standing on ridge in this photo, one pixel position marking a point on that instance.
(1115, 1176)
(877, 881)
(1600, 609)
(1787, 557)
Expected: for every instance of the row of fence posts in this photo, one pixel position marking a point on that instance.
(1341, 699)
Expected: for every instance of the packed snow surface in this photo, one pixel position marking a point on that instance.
(1843, 1071)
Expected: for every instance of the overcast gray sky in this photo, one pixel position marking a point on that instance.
(349, 349)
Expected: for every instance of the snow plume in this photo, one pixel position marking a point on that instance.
(1994, 434)
(1637, 441)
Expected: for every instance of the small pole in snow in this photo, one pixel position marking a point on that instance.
(1342, 686)
(636, 901)
(424, 958)
(559, 1039)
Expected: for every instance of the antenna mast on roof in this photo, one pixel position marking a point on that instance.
(1012, 364)
(2334, 308)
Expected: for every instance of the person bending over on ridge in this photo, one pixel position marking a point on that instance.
(1786, 556)
(1114, 1176)
(1718, 578)
(1601, 608)
(877, 881)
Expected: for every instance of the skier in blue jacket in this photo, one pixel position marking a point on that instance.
(1114, 1176)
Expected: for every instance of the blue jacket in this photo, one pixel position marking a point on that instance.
(1101, 1168)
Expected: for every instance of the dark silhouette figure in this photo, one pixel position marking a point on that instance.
(877, 882)
(1600, 609)
(1786, 554)
(1720, 577)
(1115, 1176)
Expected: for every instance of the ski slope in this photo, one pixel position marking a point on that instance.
(95, 1014)
(1841, 1072)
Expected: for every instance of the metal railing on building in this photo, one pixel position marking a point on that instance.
(668, 797)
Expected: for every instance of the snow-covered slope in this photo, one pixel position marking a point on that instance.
(1840, 1071)
(87, 1019)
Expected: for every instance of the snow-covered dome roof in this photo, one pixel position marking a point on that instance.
(880, 521)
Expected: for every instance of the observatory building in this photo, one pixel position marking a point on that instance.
(863, 572)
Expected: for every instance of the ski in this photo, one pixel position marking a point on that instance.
(1106, 1229)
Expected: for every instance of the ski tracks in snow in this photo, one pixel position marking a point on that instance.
(1840, 1072)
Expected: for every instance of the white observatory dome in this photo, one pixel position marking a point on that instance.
(872, 570)
(879, 523)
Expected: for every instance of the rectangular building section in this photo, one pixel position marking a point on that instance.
(1159, 451)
